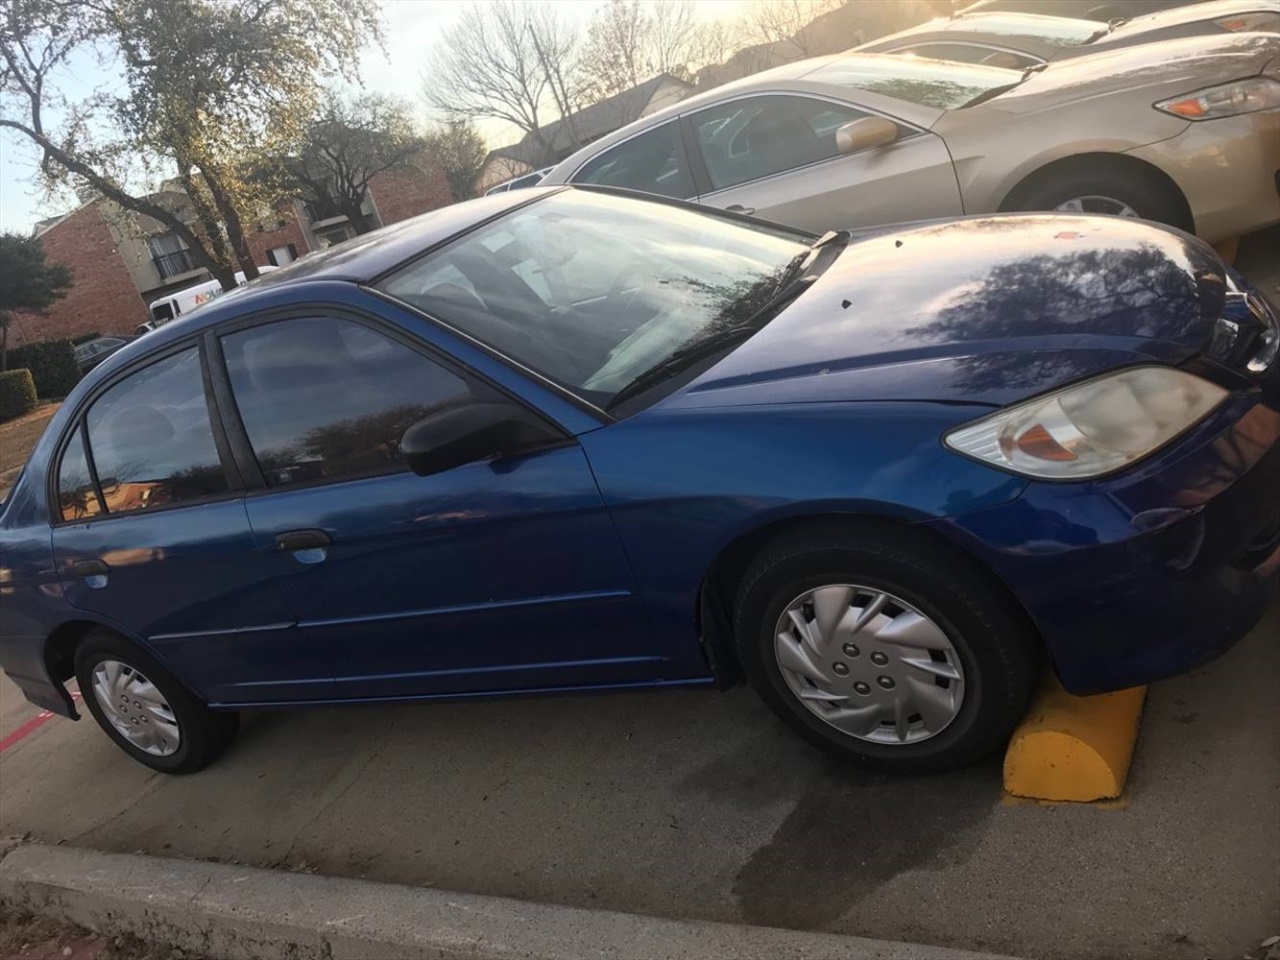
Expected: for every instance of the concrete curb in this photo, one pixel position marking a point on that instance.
(233, 912)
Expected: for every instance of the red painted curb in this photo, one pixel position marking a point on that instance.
(30, 727)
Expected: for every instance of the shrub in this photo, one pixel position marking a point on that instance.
(17, 393)
(84, 338)
(52, 364)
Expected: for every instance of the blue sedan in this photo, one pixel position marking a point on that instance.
(566, 439)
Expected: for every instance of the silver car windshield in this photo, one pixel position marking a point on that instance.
(1051, 31)
(592, 290)
(942, 84)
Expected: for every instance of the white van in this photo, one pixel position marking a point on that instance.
(187, 299)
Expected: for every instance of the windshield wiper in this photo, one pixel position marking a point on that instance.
(708, 346)
(792, 281)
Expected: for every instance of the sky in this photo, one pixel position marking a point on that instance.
(413, 28)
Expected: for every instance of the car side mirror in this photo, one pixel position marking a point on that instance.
(864, 133)
(458, 435)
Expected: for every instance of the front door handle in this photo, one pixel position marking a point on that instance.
(92, 572)
(296, 540)
(89, 568)
(739, 208)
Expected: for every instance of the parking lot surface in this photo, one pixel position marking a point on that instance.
(700, 805)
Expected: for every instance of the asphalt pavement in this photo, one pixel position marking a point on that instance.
(698, 805)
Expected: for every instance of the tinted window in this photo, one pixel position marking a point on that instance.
(972, 53)
(76, 496)
(747, 139)
(930, 83)
(651, 163)
(328, 398)
(151, 438)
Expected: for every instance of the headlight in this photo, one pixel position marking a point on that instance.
(1261, 22)
(1227, 100)
(1093, 427)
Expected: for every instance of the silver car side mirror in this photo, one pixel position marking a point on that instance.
(865, 133)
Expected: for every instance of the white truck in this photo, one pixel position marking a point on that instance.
(183, 301)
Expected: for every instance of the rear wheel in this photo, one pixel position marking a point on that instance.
(885, 648)
(144, 709)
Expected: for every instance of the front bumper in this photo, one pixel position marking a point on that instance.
(1228, 169)
(1143, 576)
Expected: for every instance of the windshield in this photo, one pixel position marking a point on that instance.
(942, 84)
(592, 290)
(1051, 31)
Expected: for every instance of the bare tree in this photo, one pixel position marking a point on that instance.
(457, 149)
(350, 141)
(785, 24)
(631, 41)
(506, 60)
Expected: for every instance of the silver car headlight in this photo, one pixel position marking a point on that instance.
(1091, 428)
(1225, 100)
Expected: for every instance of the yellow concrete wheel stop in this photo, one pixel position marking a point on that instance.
(1228, 249)
(1070, 748)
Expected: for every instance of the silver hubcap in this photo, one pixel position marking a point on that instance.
(869, 664)
(1093, 204)
(135, 708)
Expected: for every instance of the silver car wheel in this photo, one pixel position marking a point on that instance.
(1095, 204)
(136, 708)
(869, 664)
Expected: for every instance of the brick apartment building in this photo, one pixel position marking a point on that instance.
(121, 262)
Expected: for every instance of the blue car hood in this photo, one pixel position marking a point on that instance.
(984, 310)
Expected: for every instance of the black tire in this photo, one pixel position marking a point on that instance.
(203, 733)
(1149, 198)
(997, 646)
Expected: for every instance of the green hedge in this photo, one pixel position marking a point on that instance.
(17, 393)
(52, 364)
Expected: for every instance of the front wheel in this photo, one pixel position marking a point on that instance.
(144, 709)
(1102, 191)
(885, 648)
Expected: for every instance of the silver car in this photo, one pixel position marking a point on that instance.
(1186, 132)
(1021, 40)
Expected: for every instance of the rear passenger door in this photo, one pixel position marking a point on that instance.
(775, 155)
(151, 536)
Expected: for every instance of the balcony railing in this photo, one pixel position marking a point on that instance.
(172, 264)
(319, 212)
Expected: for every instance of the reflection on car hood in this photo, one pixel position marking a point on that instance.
(982, 310)
(1140, 73)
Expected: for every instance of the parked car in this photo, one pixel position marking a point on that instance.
(1186, 132)
(1088, 9)
(519, 183)
(572, 439)
(1025, 40)
(92, 352)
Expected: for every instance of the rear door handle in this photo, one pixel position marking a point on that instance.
(739, 208)
(295, 540)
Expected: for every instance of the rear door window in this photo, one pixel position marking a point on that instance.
(652, 162)
(151, 438)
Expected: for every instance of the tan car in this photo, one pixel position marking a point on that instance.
(1020, 40)
(1186, 132)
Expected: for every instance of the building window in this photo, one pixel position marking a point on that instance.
(169, 255)
(279, 256)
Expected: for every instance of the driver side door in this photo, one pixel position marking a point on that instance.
(775, 156)
(493, 576)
